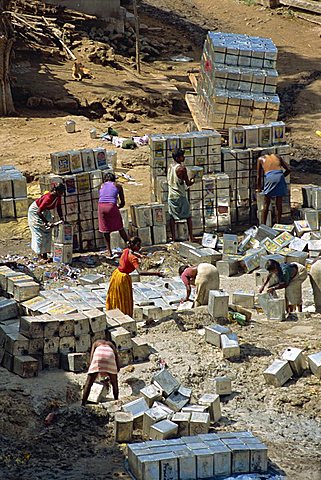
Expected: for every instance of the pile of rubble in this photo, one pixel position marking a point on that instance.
(125, 43)
(13, 193)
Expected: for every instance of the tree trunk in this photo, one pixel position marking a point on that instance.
(6, 45)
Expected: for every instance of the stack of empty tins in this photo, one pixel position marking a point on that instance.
(208, 199)
(311, 206)
(149, 223)
(239, 162)
(13, 193)
(58, 327)
(237, 82)
(82, 173)
(181, 446)
(213, 455)
(224, 193)
(63, 243)
(14, 347)
(166, 410)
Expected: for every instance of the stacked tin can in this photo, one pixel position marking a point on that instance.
(149, 223)
(224, 192)
(239, 161)
(63, 243)
(13, 193)
(82, 173)
(202, 152)
(311, 206)
(238, 79)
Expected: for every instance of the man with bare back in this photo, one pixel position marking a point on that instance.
(274, 169)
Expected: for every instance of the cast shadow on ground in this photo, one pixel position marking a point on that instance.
(228, 398)
(33, 78)
(249, 350)
(136, 384)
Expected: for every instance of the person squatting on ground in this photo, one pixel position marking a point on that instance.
(104, 362)
(289, 276)
(109, 217)
(120, 291)
(178, 205)
(205, 277)
(274, 182)
(40, 220)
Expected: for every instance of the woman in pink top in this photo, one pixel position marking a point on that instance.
(204, 277)
(104, 362)
(109, 217)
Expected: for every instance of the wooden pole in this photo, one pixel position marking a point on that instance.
(137, 37)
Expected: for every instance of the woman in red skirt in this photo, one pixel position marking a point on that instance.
(109, 217)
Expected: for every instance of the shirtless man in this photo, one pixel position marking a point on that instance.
(178, 206)
(274, 183)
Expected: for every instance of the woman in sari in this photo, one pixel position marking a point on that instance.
(204, 277)
(40, 220)
(120, 291)
(289, 276)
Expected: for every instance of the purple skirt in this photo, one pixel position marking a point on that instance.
(109, 218)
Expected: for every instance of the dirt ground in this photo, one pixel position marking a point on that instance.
(80, 444)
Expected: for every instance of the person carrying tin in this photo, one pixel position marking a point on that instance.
(40, 220)
(274, 169)
(178, 205)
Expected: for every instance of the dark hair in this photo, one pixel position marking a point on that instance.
(133, 241)
(109, 177)
(178, 152)
(60, 187)
(272, 265)
(182, 269)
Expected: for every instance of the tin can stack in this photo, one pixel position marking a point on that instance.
(13, 193)
(149, 223)
(63, 243)
(82, 173)
(224, 193)
(238, 79)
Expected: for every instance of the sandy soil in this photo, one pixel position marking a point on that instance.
(80, 445)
